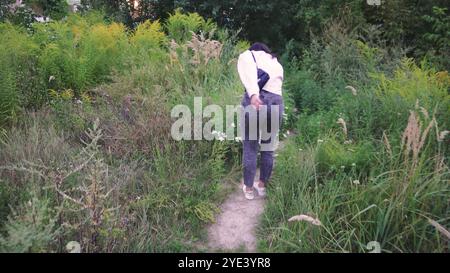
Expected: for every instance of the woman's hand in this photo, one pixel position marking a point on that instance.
(256, 101)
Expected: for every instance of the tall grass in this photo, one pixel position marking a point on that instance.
(95, 160)
(370, 161)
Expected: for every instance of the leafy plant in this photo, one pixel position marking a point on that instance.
(30, 228)
(180, 26)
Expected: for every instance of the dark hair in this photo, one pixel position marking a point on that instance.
(262, 47)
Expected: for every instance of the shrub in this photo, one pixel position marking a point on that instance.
(76, 55)
(9, 95)
(18, 85)
(32, 228)
(333, 156)
(309, 96)
(410, 84)
(180, 26)
(148, 35)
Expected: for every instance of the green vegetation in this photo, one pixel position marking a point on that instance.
(86, 153)
(369, 160)
(87, 147)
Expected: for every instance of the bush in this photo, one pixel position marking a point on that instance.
(333, 157)
(309, 95)
(9, 95)
(105, 157)
(180, 26)
(31, 229)
(77, 56)
(18, 84)
(147, 37)
(410, 85)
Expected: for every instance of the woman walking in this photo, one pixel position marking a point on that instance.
(262, 76)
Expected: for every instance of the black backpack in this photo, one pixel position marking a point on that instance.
(263, 77)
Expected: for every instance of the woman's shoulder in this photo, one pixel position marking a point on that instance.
(245, 54)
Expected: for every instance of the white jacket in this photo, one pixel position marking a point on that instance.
(249, 75)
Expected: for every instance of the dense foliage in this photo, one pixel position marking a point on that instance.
(86, 153)
(370, 160)
(86, 156)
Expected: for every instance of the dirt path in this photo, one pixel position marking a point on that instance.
(235, 227)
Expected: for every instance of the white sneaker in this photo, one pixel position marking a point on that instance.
(248, 194)
(261, 190)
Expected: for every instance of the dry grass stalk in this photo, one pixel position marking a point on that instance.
(413, 138)
(440, 228)
(306, 218)
(341, 121)
(387, 144)
(352, 89)
(442, 135)
(204, 49)
(440, 165)
(425, 113)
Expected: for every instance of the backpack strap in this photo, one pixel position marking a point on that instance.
(254, 59)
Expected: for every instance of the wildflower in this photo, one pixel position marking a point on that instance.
(238, 139)
(353, 164)
(320, 141)
(342, 167)
(356, 182)
(233, 125)
(51, 78)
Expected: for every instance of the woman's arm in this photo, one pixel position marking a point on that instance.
(248, 73)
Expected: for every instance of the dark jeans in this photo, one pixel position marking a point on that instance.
(264, 120)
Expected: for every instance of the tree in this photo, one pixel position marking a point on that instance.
(19, 15)
(55, 9)
(116, 10)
